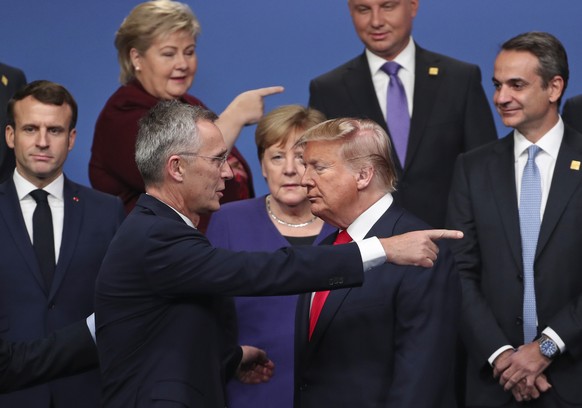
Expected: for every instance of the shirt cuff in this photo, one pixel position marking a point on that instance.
(497, 353)
(91, 326)
(372, 253)
(557, 339)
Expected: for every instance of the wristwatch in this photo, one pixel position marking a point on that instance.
(548, 347)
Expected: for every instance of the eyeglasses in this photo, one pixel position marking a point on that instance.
(218, 160)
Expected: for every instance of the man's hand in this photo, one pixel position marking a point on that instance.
(520, 390)
(255, 367)
(416, 248)
(527, 363)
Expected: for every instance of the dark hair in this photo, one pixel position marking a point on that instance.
(47, 92)
(551, 54)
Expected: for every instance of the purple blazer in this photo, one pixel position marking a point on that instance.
(264, 322)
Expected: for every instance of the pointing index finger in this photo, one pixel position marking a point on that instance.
(438, 234)
(270, 90)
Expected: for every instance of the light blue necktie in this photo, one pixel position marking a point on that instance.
(397, 116)
(529, 221)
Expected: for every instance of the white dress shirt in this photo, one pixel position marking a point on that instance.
(55, 200)
(407, 60)
(546, 162)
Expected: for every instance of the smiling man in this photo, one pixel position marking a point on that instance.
(518, 202)
(438, 111)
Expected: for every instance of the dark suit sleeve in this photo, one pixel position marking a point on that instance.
(66, 352)
(479, 327)
(572, 112)
(479, 123)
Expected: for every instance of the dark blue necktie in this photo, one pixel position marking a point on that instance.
(529, 221)
(397, 116)
(43, 236)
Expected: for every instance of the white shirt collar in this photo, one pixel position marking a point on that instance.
(406, 59)
(549, 143)
(24, 187)
(364, 223)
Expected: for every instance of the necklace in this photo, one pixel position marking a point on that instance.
(280, 221)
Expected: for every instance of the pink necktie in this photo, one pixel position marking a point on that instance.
(319, 298)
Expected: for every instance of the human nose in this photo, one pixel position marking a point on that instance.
(226, 171)
(376, 18)
(306, 180)
(181, 62)
(501, 95)
(290, 166)
(42, 139)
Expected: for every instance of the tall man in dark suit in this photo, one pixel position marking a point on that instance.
(518, 200)
(390, 342)
(11, 80)
(572, 112)
(444, 100)
(158, 301)
(45, 291)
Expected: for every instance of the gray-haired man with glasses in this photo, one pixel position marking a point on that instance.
(159, 299)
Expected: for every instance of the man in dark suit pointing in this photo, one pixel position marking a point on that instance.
(445, 111)
(159, 292)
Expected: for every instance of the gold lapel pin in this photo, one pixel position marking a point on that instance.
(575, 165)
(4, 80)
(433, 71)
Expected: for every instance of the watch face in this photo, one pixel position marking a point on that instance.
(548, 348)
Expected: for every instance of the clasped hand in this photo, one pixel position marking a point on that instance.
(521, 371)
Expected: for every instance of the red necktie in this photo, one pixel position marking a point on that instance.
(319, 298)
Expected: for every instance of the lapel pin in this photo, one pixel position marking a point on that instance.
(4, 80)
(76, 199)
(575, 165)
(434, 71)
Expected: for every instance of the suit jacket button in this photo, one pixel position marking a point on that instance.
(520, 277)
(518, 321)
(51, 306)
(303, 387)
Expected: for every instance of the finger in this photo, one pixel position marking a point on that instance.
(426, 263)
(269, 90)
(438, 234)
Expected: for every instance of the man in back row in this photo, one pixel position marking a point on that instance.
(158, 294)
(432, 106)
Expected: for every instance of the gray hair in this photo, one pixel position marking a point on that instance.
(364, 142)
(168, 128)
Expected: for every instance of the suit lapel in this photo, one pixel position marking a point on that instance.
(425, 96)
(501, 170)
(73, 215)
(12, 214)
(565, 182)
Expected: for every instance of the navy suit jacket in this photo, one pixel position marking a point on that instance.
(389, 343)
(158, 305)
(65, 352)
(572, 112)
(450, 115)
(483, 204)
(28, 310)
(11, 80)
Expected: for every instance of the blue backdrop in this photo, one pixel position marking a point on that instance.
(255, 43)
